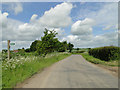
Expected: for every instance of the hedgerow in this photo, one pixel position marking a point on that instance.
(106, 53)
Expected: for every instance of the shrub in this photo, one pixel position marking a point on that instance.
(105, 53)
(80, 51)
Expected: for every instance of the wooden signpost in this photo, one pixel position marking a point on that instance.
(8, 49)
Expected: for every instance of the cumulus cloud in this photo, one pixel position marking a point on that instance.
(107, 27)
(18, 44)
(18, 8)
(15, 30)
(70, 38)
(95, 41)
(60, 32)
(105, 16)
(33, 18)
(57, 16)
(82, 27)
(119, 38)
(108, 14)
(82, 35)
(15, 7)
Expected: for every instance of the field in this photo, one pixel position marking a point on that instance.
(19, 68)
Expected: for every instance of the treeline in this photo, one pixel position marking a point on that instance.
(49, 43)
(106, 53)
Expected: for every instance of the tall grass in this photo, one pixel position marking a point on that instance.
(17, 70)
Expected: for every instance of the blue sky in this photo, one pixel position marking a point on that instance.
(84, 22)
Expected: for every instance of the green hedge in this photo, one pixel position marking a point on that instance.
(106, 53)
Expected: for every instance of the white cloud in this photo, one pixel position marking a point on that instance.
(13, 7)
(83, 27)
(70, 38)
(119, 38)
(94, 41)
(18, 8)
(106, 14)
(18, 44)
(105, 17)
(60, 32)
(107, 27)
(16, 30)
(58, 16)
(33, 18)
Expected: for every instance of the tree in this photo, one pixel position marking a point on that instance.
(70, 47)
(77, 49)
(48, 43)
(62, 46)
(33, 46)
(27, 50)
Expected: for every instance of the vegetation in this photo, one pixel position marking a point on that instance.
(49, 44)
(33, 46)
(98, 61)
(105, 53)
(79, 50)
(24, 67)
(26, 62)
(70, 47)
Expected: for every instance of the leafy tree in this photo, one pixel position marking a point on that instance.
(33, 45)
(48, 43)
(62, 46)
(4, 51)
(27, 50)
(70, 47)
(77, 49)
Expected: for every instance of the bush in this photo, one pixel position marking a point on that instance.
(105, 53)
(80, 51)
(27, 50)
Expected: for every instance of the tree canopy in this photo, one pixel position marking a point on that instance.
(49, 43)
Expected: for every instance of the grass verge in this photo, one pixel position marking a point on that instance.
(13, 76)
(98, 61)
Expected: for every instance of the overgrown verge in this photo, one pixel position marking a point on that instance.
(18, 69)
(98, 61)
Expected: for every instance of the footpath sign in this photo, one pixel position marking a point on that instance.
(12, 43)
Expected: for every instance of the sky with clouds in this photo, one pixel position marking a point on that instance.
(88, 24)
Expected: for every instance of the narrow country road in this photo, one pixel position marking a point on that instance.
(72, 72)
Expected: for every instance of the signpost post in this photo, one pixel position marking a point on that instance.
(8, 49)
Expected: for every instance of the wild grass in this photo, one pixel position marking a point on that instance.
(18, 69)
(98, 61)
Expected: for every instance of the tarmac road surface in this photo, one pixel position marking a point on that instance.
(72, 72)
